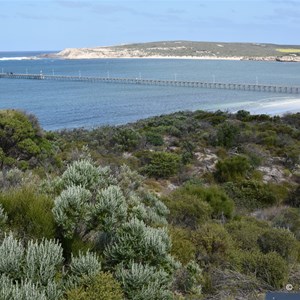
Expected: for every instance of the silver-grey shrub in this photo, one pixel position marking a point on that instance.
(143, 282)
(110, 209)
(70, 208)
(85, 174)
(3, 216)
(85, 264)
(35, 272)
(11, 256)
(43, 261)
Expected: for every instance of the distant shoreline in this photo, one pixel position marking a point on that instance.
(186, 50)
(230, 58)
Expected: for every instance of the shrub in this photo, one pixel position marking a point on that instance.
(141, 282)
(281, 241)
(154, 138)
(71, 208)
(100, 287)
(84, 173)
(222, 206)
(270, 268)
(162, 164)
(182, 246)
(213, 244)
(246, 232)
(250, 194)
(29, 213)
(227, 134)
(21, 138)
(125, 139)
(134, 241)
(293, 198)
(189, 280)
(187, 210)
(38, 268)
(288, 219)
(232, 169)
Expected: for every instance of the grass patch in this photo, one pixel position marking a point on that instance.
(288, 50)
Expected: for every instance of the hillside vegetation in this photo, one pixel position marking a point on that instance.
(189, 49)
(192, 205)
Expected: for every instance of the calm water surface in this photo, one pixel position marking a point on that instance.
(81, 104)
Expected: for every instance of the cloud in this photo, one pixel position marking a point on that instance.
(74, 4)
(286, 2)
(45, 18)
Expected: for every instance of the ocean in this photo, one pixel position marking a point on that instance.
(60, 105)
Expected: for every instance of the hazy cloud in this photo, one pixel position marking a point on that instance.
(46, 17)
(74, 4)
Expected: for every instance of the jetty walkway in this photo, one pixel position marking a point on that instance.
(178, 83)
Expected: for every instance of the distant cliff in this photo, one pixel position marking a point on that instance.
(187, 49)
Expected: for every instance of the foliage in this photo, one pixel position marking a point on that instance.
(100, 287)
(232, 169)
(161, 164)
(126, 139)
(143, 282)
(21, 138)
(154, 138)
(189, 280)
(281, 241)
(37, 269)
(250, 194)
(227, 134)
(222, 206)
(288, 219)
(183, 247)
(245, 232)
(28, 212)
(122, 217)
(187, 210)
(293, 198)
(213, 244)
(270, 268)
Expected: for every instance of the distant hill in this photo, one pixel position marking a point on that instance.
(189, 49)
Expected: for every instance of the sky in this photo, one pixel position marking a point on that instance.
(27, 25)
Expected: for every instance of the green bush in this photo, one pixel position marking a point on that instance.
(227, 135)
(293, 198)
(21, 138)
(154, 138)
(281, 241)
(182, 246)
(125, 139)
(232, 169)
(101, 287)
(29, 213)
(162, 164)
(289, 219)
(245, 232)
(270, 268)
(187, 210)
(250, 194)
(213, 244)
(222, 206)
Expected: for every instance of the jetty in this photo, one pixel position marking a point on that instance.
(287, 89)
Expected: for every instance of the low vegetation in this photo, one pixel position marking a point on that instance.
(192, 205)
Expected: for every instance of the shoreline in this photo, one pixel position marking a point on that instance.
(228, 58)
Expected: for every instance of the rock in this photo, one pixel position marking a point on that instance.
(273, 174)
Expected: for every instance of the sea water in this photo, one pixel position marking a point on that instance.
(63, 104)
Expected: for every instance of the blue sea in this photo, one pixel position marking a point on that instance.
(60, 104)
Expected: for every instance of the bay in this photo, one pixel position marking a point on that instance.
(60, 104)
